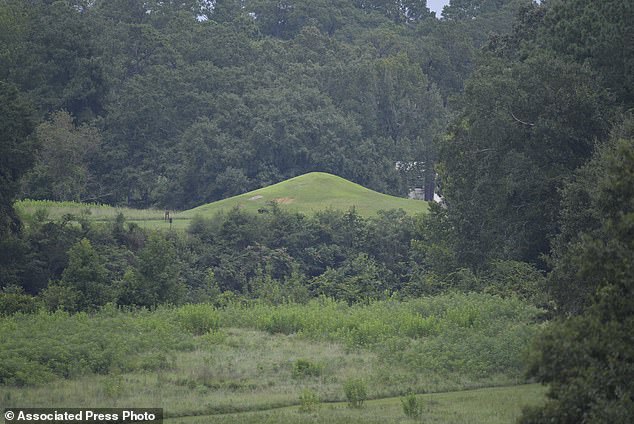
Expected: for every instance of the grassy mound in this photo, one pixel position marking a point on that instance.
(310, 193)
(307, 194)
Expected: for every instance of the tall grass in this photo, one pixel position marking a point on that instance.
(40, 347)
(198, 359)
(474, 334)
(28, 210)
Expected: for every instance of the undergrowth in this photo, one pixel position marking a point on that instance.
(473, 335)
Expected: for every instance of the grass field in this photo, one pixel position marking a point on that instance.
(253, 359)
(307, 194)
(498, 405)
(94, 212)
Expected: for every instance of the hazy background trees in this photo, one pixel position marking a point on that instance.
(288, 87)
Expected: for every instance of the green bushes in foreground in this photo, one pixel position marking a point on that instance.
(43, 346)
(474, 335)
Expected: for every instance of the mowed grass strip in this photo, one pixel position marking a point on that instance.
(498, 405)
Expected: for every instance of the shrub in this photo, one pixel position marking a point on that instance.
(14, 300)
(156, 361)
(305, 368)
(356, 392)
(113, 386)
(198, 319)
(412, 406)
(284, 321)
(39, 347)
(309, 401)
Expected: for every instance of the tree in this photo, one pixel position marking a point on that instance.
(156, 278)
(62, 171)
(59, 64)
(588, 359)
(16, 158)
(462, 10)
(358, 279)
(525, 127)
(16, 151)
(599, 33)
(86, 276)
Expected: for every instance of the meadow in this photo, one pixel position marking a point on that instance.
(30, 210)
(251, 358)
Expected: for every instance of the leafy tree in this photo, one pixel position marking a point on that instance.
(470, 9)
(62, 171)
(358, 279)
(598, 33)
(87, 276)
(156, 278)
(593, 247)
(14, 300)
(60, 63)
(16, 157)
(525, 127)
(16, 151)
(588, 359)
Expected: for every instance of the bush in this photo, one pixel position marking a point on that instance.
(198, 319)
(309, 401)
(156, 361)
(113, 386)
(305, 368)
(39, 347)
(356, 392)
(14, 300)
(412, 406)
(60, 297)
(284, 321)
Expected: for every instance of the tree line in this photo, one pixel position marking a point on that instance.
(525, 109)
(189, 102)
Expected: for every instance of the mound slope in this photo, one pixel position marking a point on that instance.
(310, 193)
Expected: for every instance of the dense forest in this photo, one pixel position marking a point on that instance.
(520, 111)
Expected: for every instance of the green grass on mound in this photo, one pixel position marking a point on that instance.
(307, 194)
(310, 193)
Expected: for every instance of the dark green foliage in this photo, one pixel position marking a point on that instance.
(48, 244)
(511, 278)
(62, 168)
(526, 127)
(279, 255)
(196, 103)
(599, 33)
(595, 246)
(588, 363)
(588, 359)
(14, 300)
(86, 276)
(16, 153)
(155, 280)
(305, 368)
(358, 278)
(39, 347)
